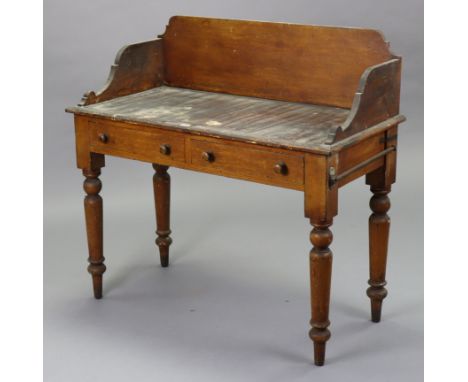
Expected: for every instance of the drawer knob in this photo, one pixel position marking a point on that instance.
(281, 168)
(103, 138)
(208, 156)
(165, 149)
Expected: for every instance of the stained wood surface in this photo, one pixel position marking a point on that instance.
(259, 120)
(162, 202)
(231, 159)
(352, 156)
(379, 227)
(137, 67)
(289, 62)
(300, 64)
(136, 141)
(377, 100)
(94, 228)
(324, 132)
(248, 163)
(320, 200)
(85, 158)
(320, 260)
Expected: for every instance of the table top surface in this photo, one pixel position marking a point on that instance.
(298, 125)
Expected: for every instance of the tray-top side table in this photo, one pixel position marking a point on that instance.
(304, 107)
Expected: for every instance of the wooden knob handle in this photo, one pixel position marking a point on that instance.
(208, 156)
(103, 138)
(165, 149)
(281, 168)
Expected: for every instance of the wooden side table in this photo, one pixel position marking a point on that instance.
(303, 107)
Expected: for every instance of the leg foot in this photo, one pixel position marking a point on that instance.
(94, 227)
(379, 226)
(320, 282)
(162, 201)
(320, 337)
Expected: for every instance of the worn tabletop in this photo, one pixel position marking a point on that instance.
(259, 120)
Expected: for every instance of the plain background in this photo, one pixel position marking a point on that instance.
(234, 305)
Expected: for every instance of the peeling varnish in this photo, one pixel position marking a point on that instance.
(213, 123)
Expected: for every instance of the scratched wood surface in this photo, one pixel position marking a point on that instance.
(253, 119)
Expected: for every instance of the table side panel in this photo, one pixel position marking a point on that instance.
(385, 175)
(356, 154)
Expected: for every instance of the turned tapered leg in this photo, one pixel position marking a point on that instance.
(379, 225)
(93, 213)
(162, 201)
(320, 281)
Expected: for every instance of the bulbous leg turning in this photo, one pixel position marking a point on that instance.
(162, 201)
(379, 226)
(320, 282)
(94, 228)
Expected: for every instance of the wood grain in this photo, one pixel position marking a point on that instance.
(320, 200)
(162, 202)
(377, 100)
(298, 134)
(145, 144)
(94, 228)
(379, 227)
(358, 153)
(380, 181)
(290, 62)
(137, 67)
(85, 158)
(259, 165)
(236, 117)
(320, 282)
(386, 175)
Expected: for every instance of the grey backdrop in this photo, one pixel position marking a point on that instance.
(234, 305)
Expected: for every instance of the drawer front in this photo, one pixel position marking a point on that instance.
(157, 147)
(256, 164)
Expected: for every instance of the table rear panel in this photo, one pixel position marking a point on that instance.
(288, 62)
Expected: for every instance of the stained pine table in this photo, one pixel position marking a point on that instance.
(304, 107)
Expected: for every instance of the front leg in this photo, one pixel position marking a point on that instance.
(162, 201)
(321, 205)
(93, 214)
(320, 281)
